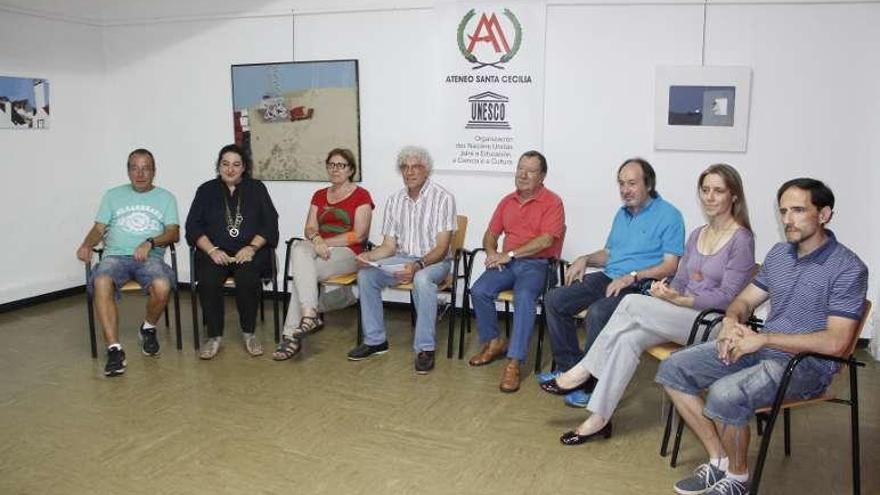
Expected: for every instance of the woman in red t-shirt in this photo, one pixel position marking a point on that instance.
(337, 225)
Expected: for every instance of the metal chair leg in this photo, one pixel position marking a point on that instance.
(786, 422)
(177, 329)
(539, 352)
(412, 310)
(451, 337)
(194, 302)
(667, 432)
(677, 444)
(90, 302)
(854, 424)
(465, 321)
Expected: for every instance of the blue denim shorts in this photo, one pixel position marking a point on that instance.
(124, 268)
(734, 391)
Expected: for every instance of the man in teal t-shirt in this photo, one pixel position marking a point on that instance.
(135, 221)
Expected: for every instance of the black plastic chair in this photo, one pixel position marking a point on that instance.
(554, 270)
(708, 319)
(132, 286)
(268, 280)
(766, 416)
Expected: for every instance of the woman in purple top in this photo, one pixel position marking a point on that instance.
(718, 262)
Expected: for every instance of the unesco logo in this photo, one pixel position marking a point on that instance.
(488, 111)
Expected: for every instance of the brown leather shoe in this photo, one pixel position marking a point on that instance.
(490, 351)
(510, 377)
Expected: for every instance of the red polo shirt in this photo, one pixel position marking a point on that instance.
(520, 222)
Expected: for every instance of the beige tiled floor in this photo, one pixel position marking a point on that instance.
(321, 424)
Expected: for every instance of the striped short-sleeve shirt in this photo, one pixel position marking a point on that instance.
(415, 223)
(804, 292)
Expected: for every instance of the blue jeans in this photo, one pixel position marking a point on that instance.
(563, 303)
(527, 278)
(372, 280)
(121, 269)
(736, 390)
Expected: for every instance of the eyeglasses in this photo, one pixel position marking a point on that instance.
(336, 165)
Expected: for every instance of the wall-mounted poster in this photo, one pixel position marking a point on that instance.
(288, 115)
(489, 102)
(702, 108)
(24, 103)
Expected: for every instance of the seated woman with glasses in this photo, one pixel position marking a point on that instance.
(337, 225)
(718, 262)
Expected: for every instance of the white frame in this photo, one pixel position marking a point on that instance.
(702, 138)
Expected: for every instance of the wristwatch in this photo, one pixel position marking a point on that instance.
(511, 254)
(151, 241)
(635, 275)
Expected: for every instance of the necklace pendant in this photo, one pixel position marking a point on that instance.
(233, 232)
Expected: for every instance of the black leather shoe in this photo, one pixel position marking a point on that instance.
(364, 351)
(553, 387)
(424, 362)
(572, 437)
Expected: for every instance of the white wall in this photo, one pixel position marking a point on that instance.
(48, 174)
(813, 107)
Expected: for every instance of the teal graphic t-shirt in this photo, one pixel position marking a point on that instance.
(131, 217)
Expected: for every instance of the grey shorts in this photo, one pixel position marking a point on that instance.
(735, 390)
(121, 269)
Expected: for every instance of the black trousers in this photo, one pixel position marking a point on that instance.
(247, 292)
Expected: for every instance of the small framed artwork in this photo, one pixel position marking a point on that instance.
(24, 103)
(289, 115)
(702, 108)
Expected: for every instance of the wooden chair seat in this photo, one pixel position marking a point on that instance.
(130, 286)
(662, 351)
(345, 279)
(505, 295)
(790, 404)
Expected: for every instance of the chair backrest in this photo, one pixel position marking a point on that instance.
(460, 232)
(866, 313)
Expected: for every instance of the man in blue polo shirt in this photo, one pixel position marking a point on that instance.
(816, 288)
(646, 241)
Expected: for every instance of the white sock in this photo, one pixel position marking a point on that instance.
(147, 325)
(116, 346)
(721, 463)
(742, 478)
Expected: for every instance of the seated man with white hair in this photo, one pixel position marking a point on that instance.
(417, 232)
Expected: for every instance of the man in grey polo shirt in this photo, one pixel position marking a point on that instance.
(816, 287)
(417, 229)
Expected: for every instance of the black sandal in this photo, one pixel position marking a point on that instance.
(286, 349)
(308, 325)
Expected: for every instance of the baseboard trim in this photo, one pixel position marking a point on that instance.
(42, 298)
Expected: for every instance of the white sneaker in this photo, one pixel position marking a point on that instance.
(210, 348)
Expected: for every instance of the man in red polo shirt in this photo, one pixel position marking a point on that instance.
(532, 221)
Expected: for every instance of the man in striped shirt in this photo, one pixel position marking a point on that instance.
(417, 232)
(816, 288)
